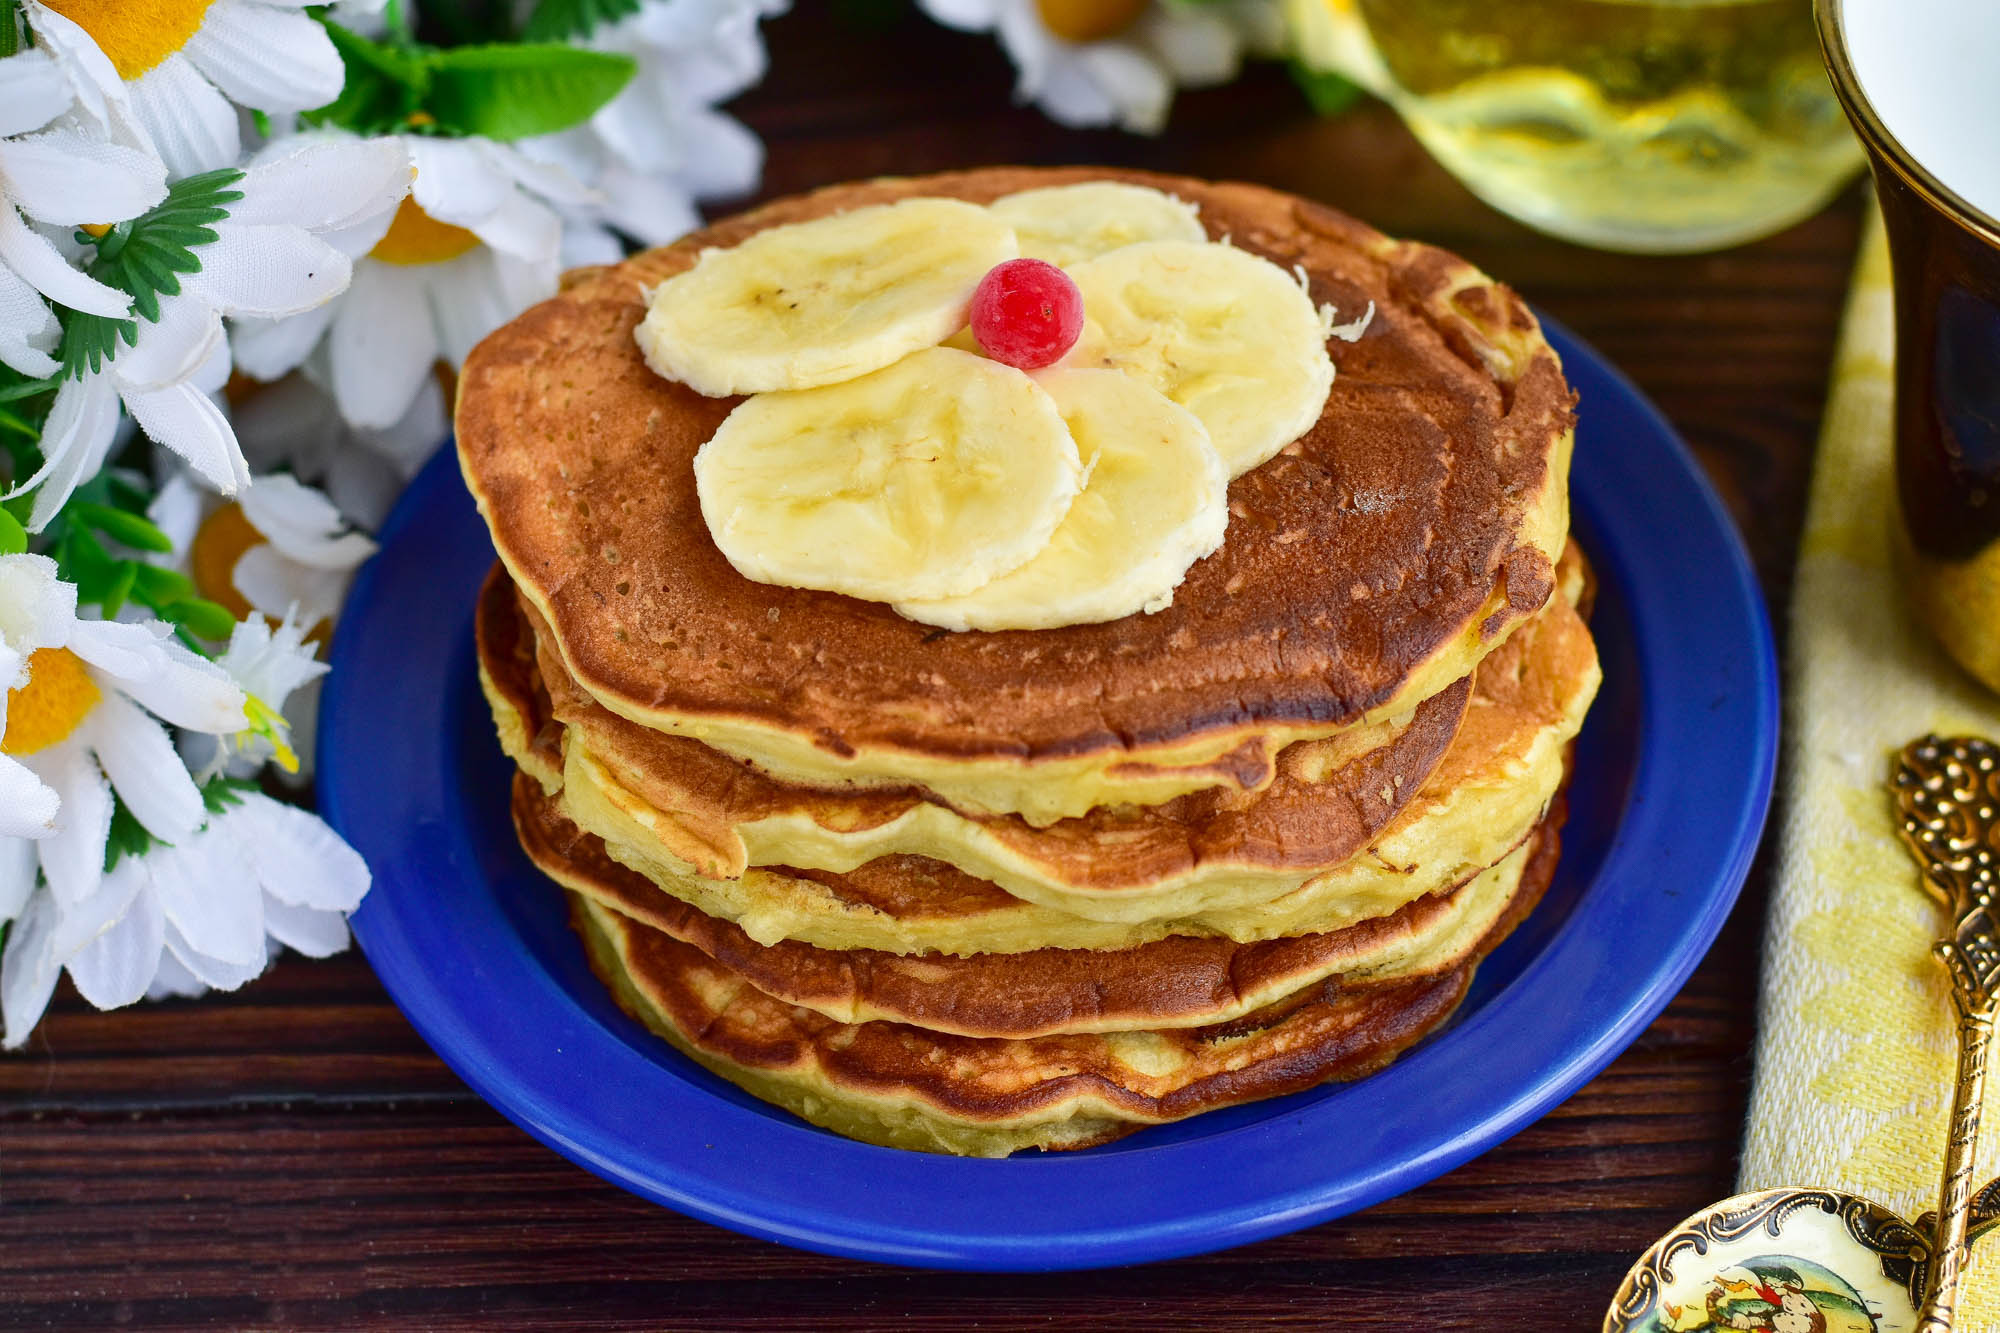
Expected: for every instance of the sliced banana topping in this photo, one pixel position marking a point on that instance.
(1156, 502)
(1227, 335)
(926, 479)
(819, 302)
(1067, 224)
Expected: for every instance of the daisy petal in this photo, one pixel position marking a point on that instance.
(18, 867)
(35, 259)
(1199, 49)
(33, 91)
(187, 421)
(303, 524)
(174, 981)
(72, 46)
(191, 124)
(382, 344)
(117, 968)
(521, 226)
(215, 972)
(170, 349)
(208, 891)
(266, 349)
(67, 179)
(73, 857)
(724, 157)
(299, 860)
(27, 810)
(184, 690)
(78, 434)
(265, 58)
(314, 933)
(287, 184)
(80, 923)
(145, 769)
(456, 182)
(28, 970)
(28, 328)
(269, 271)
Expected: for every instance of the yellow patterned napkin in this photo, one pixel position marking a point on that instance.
(1856, 1049)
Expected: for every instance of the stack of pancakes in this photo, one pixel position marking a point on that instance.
(977, 892)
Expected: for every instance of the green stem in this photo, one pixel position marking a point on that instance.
(10, 30)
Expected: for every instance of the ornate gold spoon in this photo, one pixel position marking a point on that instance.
(1822, 1261)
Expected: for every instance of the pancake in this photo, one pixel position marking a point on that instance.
(1368, 566)
(1490, 789)
(1175, 982)
(714, 816)
(904, 1086)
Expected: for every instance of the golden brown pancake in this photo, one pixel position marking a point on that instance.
(1176, 982)
(719, 816)
(910, 1087)
(1368, 566)
(1488, 792)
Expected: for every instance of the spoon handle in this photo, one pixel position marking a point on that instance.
(1975, 1034)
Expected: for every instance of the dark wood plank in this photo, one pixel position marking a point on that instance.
(293, 1156)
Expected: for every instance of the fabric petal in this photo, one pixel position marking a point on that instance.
(187, 421)
(382, 344)
(456, 182)
(268, 271)
(724, 157)
(117, 968)
(172, 348)
(177, 687)
(192, 126)
(1198, 48)
(80, 923)
(81, 427)
(174, 981)
(28, 328)
(28, 970)
(19, 865)
(73, 856)
(37, 260)
(68, 179)
(266, 349)
(215, 972)
(303, 524)
(287, 182)
(145, 769)
(314, 933)
(33, 91)
(209, 894)
(523, 227)
(27, 811)
(649, 209)
(299, 860)
(265, 58)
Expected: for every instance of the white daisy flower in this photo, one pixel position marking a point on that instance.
(281, 550)
(36, 607)
(171, 69)
(87, 721)
(1115, 62)
(660, 145)
(477, 241)
(273, 256)
(209, 911)
(62, 177)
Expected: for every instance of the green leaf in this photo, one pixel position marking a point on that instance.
(128, 836)
(201, 617)
(560, 20)
(514, 92)
(220, 794)
(131, 529)
(158, 587)
(385, 86)
(121, 587)
(1329, 93)
(144, 258)
(13, 537)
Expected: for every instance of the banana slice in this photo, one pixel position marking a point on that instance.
(925, 479)
(1231, 337)
(1156, 502)
(1067, 224)
(818, 302)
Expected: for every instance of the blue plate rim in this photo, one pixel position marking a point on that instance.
(1046, 1212)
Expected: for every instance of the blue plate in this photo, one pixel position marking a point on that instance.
(1673, 780)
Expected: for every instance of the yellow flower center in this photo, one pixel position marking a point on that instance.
(1089, 20)
(58, 696)
(415, 237)
(219, 543)
(136, 34)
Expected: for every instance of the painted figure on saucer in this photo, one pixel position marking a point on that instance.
(1770, 1294)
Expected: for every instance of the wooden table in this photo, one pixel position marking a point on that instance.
(293, 1156)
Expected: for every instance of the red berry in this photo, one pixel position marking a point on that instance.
(1026, 313)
